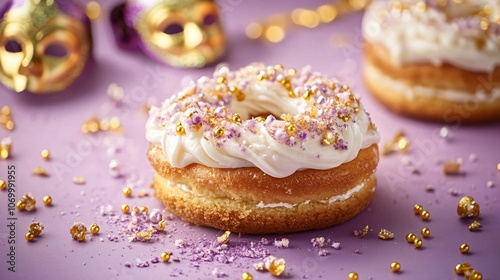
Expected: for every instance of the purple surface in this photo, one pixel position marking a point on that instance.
(53, 122)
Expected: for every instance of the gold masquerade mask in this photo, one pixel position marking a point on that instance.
(182, 33)
(43, 48)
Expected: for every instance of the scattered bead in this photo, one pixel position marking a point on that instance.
(361, 232)
(474, 226)
(179, 129)
(114, 168)
(47, 200)
(461, 268)
(410, 237)
(464, 248)
(45, 154)
(29, 236)
(40, 171)
(224, 238)
(27, 202)
(353, 276)
(467, 207)
(277, 267)
(3, 185)
(417, 242)
(425, 215)
(35, 229)
(94, 228)
(246, 276)
(385, 234)
(395, 266)
(78, 231)
(417, 209)
(476, 276)
(144, 209)
(218, 132)
(21, 206)
(425, 232)
(162, 224)
(127, 191)
(165, 256)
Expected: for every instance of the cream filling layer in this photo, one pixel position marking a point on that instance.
(411, 92)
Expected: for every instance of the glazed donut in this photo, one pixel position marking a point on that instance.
(263, 150)
(435, 59)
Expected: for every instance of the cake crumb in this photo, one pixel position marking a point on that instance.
(283, 243)
(490, 184)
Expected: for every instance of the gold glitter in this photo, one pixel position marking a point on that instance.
(218, 131)
(21, 205)
(464, 248)
(399, 143)
(221, 80)
(461, 268)
(47, 200)
(361, 232)
(125, 208)
(29, 236)
(179, 129)
(277, 267)
(78, 180)
(417, 242)
(45, 154)
(417, 209)
(144, 209)
(395, 266)
(93, 10)
(385, 234)
(467, 207)
(29, 202)
(325, 142)
(240, 96)
(162, 224)
(451, 167)
(291, 128)
(78, 231)
(144, 235)
(165, 256)
(425, 232)
(40, 171)
(127, 191)
(3, 185)
(94, 228)
(246, 276)
(410, 237)
(353, 276)
(224, 238)
(476, 276)
(425, 215)
(35, 229)
(474, 226)
(236, 118)
(307, 95)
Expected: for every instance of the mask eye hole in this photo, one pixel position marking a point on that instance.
(173, 28)
(209, 19)
(13, 46)
(56, 50)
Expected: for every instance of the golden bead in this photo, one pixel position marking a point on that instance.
(162, 224)
(474, 226)
(464, 248)
(476, 276)
(325, 142)
(94, 228)
(35, 229)
(45, 154)
(417, 209)
(353, 276)
(221, 80)
(417, 242)
(78, 231)
(21, 206)
(224, 238)
(127, 191)
(425, 232)
(291, 128)
(144, 209)
(291, 94)
(459, 269)
(3, 185)
(346, 118)
(29, 236)
(307, 95)
(165, 256)
(236, 118)
(277, 267)
(218, 131)
(47, 200)
(246, 276)
(395, 266)
(410, 237)
(425, 215)
(179, 129)
(125, 208)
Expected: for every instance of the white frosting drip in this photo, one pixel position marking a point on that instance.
(436, 36)
(409, 92)
(259, 146)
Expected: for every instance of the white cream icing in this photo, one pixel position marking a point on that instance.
(266, 145)
(438, 35)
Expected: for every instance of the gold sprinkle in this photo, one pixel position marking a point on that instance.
(29, 202)
(144, 209)
(78, 180)
(162, 224)
(467, 207)
(236, 118)
(29, 236)
(221, 80)
(40, 172)
(353, 276)
(47, 200)
(461, 268)
(417, 242)
(476, 276)
(78, 231)
(35, 229)
(291, 94)
(93, 10)
(425, 215)
(410, 237)
(385, 234)
(474, 226)
(3, 185)
(127, 191)
(246, 276)
(218, 132)
(291, 128)
(451, 167)
(425, 232)
(346, 118)
(277, 267)
(240, 96)
(125, 208)
(94, 229)
(21, 205)
(361, 232)
(417, 209)
(464, 248)
(179, 129)
(395, 266)
(224, 238)
(325, 142)
(307, 95)
(45, 154)
(165, 256)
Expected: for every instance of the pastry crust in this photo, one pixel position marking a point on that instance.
(419, 78)
(236, 199)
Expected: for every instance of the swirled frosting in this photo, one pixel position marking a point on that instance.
(279, 120)
(463, 33)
